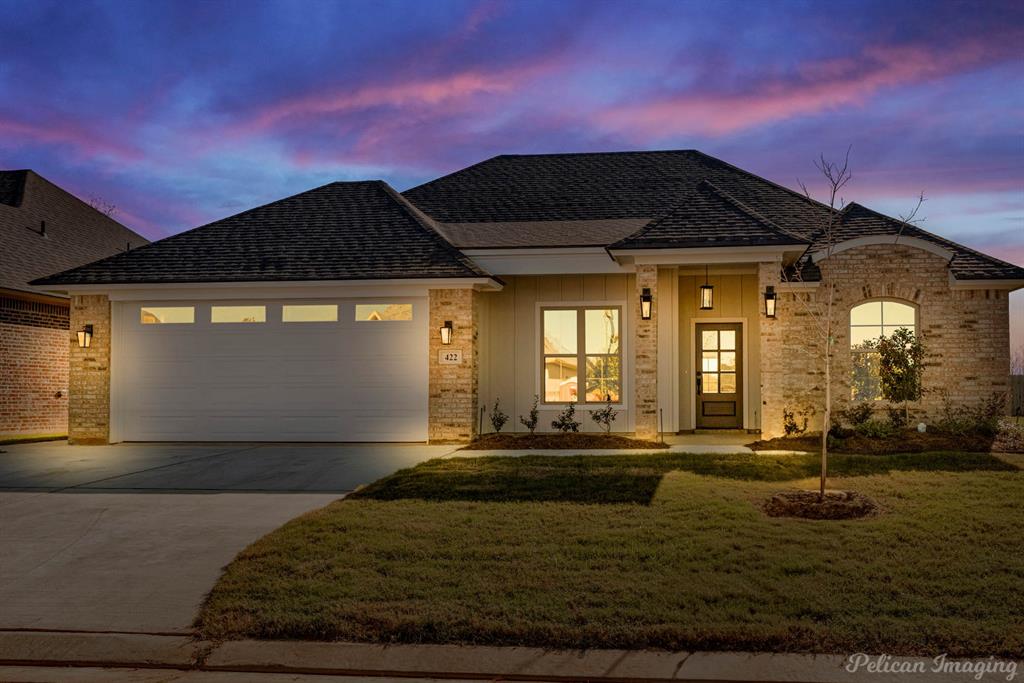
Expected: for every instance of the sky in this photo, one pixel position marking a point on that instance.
(180, 113)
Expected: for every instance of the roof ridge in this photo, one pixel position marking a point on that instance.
(751, 212)
(774, 184)
(425, 223)
(607, 153)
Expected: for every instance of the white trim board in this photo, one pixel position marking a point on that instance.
(547, 261)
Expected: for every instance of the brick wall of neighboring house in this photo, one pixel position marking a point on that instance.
(965, 332)
(645, 366)
(453, 402)
(89, 388)
(33, 367)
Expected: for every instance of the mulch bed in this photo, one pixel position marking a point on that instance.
(909, 441)
(809, 505)
(562, 441)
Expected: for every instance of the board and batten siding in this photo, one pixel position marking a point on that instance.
(736, 298)
(510, 343)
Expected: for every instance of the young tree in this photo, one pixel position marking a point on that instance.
(821, 308)
(901, 363)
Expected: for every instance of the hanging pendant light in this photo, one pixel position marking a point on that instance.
(707, 293)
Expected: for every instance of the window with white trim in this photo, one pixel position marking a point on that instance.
(581, 338)
(869, 322)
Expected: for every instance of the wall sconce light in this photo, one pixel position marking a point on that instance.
(707, 293)
(769, 302)
(85, 337)
(446, 332)
(646, 302)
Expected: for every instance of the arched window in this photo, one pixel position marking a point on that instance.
(868, 322)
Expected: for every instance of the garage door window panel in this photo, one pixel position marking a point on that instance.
(238, 314)
(384, 312)
(309, 313)
(167, 315)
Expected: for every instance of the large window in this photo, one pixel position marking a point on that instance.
(869, 322)
(583, 339)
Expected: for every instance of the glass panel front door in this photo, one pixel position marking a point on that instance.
(719, 385)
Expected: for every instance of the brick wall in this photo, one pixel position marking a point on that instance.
(645, 350)
(453, 388)
(966, 334)
(33, 368)
(89, 388)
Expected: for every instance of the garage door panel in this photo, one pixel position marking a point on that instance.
(273, 381)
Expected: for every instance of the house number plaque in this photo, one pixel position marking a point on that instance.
(449, 357)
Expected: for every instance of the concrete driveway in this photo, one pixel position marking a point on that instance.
(130, 537)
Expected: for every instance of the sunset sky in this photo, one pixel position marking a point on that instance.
(180, 113)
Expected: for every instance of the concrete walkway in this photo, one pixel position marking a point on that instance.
(104, 657)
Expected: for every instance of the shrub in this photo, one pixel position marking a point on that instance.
(856, 414)
(498, 417)
(897, 417)
(604, 417)
(566, 421)
(790, 424)
(875, 429)
(983, 419)
(531, 422)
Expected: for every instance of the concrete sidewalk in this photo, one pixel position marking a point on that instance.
(36, 656)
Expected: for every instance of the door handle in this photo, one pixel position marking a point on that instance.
(700, 383)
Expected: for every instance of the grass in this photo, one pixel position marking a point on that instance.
(662, 551)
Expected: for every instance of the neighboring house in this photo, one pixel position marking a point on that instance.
(322, 316)
(42, 229)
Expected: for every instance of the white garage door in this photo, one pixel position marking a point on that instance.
(339, 370)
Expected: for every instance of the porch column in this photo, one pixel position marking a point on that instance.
(89, 372)
(454, 384)
(645, 357)
(769, 274)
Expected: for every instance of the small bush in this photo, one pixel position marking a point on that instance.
(856, 414)
(875, 429)
(566, 421)
(531, 421)
(498, 417)
(604, 417)
(983, 419)
(897, 417)
(794, 422)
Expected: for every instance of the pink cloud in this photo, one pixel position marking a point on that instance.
(68, 134)
(816, 87)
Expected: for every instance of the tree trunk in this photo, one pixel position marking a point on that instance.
(826, 424)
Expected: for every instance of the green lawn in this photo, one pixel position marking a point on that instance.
(664, 551)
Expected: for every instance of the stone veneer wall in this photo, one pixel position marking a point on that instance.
(965, 332)
(454, 388)
(89, 389)
(645, 353)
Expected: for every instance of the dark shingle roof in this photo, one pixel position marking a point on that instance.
(342, 231)
(12, 187)
(856, 220)
(708, 217)
(570, 189)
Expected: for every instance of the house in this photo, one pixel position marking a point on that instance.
(42, 229)
(671, 284)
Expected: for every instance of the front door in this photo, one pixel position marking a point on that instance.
(719, 369)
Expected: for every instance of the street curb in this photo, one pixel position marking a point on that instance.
(132, 650)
